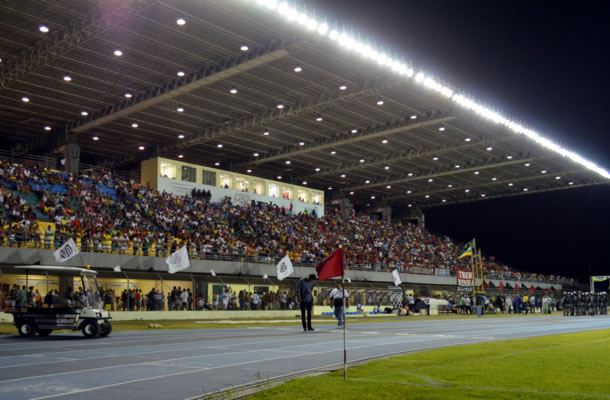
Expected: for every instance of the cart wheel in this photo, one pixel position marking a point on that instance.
(91, 329)
(26, 328)
(44, 332)
(105, 329)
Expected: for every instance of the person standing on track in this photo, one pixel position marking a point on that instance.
(304, 292)
(336, 298)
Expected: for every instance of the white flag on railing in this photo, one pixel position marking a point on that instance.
(396, 278)
(284, 268)
(178, 261)
(265, 276)
(117, 268)
(66, 251)
(212, 272)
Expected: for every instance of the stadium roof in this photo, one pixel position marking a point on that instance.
(259, 86)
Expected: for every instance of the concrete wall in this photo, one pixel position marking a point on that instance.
(17, 256)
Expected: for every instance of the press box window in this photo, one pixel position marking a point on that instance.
(189, 174)
(209, 178)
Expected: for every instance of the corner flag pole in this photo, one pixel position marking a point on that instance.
(344, 335)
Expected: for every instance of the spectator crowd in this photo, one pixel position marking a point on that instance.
(105, 214)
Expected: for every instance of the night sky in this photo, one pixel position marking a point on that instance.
(544, 62)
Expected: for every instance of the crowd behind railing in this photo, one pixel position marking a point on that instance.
(44, 208)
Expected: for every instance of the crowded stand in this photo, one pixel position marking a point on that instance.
(45, 208)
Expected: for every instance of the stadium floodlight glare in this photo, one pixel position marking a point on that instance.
(570, 183)
(244, 47)
(306, 21)
(351, 193)
(25, 99)
(557, 177)
(489, 148)
(410, 174)
(47, 128)
(317, 169)
(430, 180)
(84, 113)
(477, 172)
(333, 152)
(354, 130)
(279, 177)
(181, 136)
(180, 109)
(280, 106)
(118, 53)
(255, 154)
(494, 179)
(67, 78)
(372, 197)
(219, 145)
(362, 160)
(544, 171)
(511, 184)
(367, 182)
(483, 195)
(180, 21)
(249, 171)
(435, 158)
(467, 191)
(450, 185)
(409, 191)
(380, 102)
(287, 162)
(525, 189)
(467, 139)
(298, 68)
(386, 167)
(427, 196)
(217, 164)
(180, 73)
(266, 132)
(509, 157)
(384, 141)
(319, 118)
(304, 182)
(343, 175)
(444, 201)
(180, 155)
(457, 165)
(140, 147)
(410, 205)
(413, 116)
(128, 95)
(43, 29)
(233, 91)
(301, 143)
(343, 87)
(96, 138)
(388, 187)
(134, 125)
(442, 129)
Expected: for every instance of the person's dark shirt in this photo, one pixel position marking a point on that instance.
(304, 288)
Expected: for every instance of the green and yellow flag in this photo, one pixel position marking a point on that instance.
(468, 249)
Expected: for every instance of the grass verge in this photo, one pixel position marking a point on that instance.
(567, 366)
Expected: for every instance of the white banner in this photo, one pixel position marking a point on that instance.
(284, 268)
(178, 261)
(396, 278)
(66, 251)
(117, 268)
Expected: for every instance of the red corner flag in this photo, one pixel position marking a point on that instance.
(332, 266)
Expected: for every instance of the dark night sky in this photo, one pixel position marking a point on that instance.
(544, 62)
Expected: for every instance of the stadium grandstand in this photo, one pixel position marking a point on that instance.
(245, 131)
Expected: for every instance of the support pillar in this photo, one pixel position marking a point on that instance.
(65, 282)
(345, 208)
(387, 214)
(421, 219)
(71, 153)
